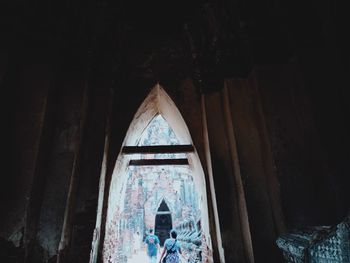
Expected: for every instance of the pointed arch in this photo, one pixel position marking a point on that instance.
(156, 103)
(165, 206)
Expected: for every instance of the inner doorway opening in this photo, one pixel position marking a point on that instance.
(163, 222)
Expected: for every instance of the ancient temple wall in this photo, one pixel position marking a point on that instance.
(61, 159)
(91, 168)
(28, 89)
(258, 183)
(45, 131)
(307, 181)
(224, 181)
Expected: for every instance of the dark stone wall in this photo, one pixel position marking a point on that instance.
(308, 176)
(26, 107)
(60, 164)
(326, 72)
(84, 218)
(245, 118)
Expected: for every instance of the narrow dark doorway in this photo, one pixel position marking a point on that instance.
(163, 222)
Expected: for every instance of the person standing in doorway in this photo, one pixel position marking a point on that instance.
(153, 247)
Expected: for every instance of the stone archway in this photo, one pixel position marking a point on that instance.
(156, 103)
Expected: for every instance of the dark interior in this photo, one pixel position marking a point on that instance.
(72, 72)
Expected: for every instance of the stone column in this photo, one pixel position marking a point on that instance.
(256, 162)
(213, 211)
(72, 190)
(239, 189)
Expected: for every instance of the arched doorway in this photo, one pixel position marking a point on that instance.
(163, 223)
(144, 171)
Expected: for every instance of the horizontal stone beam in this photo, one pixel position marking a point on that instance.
(183, 148)
(182, 161)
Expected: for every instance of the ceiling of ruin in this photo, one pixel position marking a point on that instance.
(159, 40)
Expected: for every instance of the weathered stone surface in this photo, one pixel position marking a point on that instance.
(317, 244)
